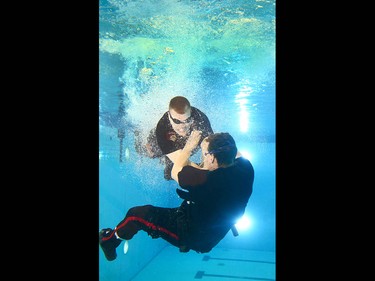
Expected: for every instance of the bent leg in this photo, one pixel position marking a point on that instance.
(156, 221)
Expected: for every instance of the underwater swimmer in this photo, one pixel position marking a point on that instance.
(172, 131)
(213, 198)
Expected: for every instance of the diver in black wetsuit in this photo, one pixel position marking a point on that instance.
(173, 130)
(215, 194)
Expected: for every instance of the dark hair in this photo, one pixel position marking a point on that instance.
(223, 147)
(180, 104)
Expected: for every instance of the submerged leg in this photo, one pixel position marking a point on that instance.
(156, 221)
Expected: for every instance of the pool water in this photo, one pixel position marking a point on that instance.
(221, 56)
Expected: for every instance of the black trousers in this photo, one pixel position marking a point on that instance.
(156, 221)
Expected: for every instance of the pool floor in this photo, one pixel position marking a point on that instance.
(219, 264)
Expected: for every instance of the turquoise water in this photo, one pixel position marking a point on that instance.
(221, 56)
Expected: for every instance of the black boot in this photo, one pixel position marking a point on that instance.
(109, 242)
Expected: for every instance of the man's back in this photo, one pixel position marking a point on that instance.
(218, 199)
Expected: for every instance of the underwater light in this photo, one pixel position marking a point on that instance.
(244, 223)
(246, 154)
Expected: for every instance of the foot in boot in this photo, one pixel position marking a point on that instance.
(108, 242)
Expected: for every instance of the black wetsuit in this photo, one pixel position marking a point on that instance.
(213, 201)
(164, 139)
(169, 141)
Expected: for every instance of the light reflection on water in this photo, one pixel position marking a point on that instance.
(209, 51)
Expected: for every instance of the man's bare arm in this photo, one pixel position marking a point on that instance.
(181, 157)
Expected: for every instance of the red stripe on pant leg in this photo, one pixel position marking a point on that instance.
(149, 225)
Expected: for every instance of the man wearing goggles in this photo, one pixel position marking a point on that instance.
(173, 130)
